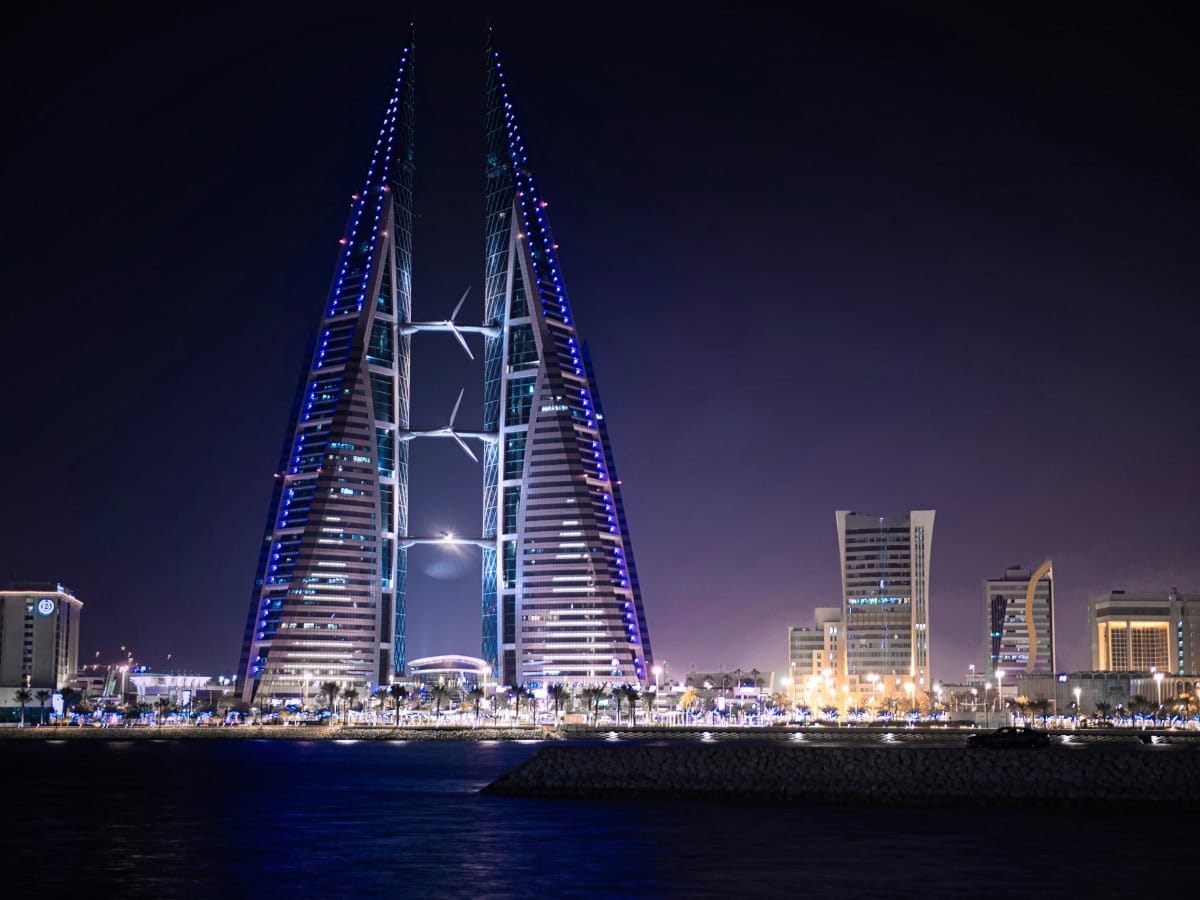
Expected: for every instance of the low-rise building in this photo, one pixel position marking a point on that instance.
(181, 690)
(461, 674)
(1105, 689)
(814, 649)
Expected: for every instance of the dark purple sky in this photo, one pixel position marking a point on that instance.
(876, 260)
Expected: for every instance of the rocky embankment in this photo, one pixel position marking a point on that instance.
(887, 775)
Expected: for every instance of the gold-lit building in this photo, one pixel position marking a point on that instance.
(1144, 632)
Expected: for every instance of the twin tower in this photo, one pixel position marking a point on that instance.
(560, 595)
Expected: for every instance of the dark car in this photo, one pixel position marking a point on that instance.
(1013, 737)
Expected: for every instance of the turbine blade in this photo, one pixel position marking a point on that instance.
(461, 340)
(465, 448)
(454, 315)
(454, 412)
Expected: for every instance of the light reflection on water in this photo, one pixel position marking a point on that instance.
(322, 819)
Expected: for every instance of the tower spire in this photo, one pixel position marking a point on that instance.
(561, 600)
(328, 602)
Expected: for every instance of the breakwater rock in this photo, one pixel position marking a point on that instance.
(902, 776)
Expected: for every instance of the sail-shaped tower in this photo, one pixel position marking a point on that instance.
(561, 600)
(329, 599)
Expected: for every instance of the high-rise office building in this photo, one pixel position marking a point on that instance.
(1018, 621)
(885, 601)
(39, 635)
(561, 600)
(328, 600)
(1140, 632)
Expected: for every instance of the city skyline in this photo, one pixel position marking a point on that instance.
(789, 250)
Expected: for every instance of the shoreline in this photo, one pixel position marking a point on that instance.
(276, 733)
(801, 736)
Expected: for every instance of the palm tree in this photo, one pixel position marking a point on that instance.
(830, 712)
(399, 694)
(804, 711)
(517, 693)
(650, 700)
(591, 698)
(561, 695)
(476, 695)
(164, 707)
(1185, 703)
(1104, 710)
(1042, 706)
(24, 697)
(383, 695)
(632, 695)
(1018, 706)
(690, 698)
(71, 699)
(43, 697)
(1143, 708)
(331, 689)
(349, 695)
(440, 694)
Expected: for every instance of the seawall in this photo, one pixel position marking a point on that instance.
(1128, 776)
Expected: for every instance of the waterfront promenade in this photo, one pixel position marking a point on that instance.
(815, 736)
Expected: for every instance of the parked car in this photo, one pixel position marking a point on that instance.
(1017, 737)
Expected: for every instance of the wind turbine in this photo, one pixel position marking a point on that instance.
(453, 327)
(454, 412)
(446, 431)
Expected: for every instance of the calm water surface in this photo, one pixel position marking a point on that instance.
(324, 819)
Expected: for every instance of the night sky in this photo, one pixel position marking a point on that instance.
(893, 257)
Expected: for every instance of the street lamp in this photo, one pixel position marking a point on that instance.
(657, 670)
(1000, 690)
(987, 706)
(1078, 712)
(1158, 680)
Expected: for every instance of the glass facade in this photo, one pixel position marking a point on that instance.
(1144, 631)
(1019, 621)
(569, 608)
(328, 600)
(885, 587)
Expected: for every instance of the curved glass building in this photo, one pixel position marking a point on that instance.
(561, 600)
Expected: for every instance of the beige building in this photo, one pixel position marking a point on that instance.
(814, 652)
(39, 636)
(1145, 632)
(884, 639)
